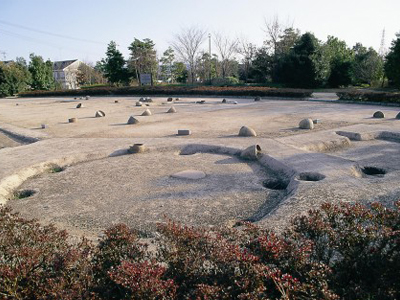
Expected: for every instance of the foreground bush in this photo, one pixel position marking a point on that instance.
(341, 251)
(369, 96)
(177, 90)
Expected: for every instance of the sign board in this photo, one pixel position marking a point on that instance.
(145, 79)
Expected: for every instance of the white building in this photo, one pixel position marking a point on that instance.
(65, 72)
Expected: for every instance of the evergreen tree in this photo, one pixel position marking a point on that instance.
(368, 65)
(299, 67)
(14, 77)
(392, 66)
(114, 66)
(42, 73)
(143, 58)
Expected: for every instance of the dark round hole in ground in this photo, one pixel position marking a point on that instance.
(24, 194)
(310, 176)
(373, 171)
(56, 169)
(275, 184)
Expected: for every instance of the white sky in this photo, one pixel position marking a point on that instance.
(122, 20)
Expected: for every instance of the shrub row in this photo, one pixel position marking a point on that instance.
(369, 96)
(341, 251)
(177, 90)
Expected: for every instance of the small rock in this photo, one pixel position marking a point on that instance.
(44, 126)
(171, 110)
(223, 100)
(306, 124)
(169, 99)
(16, 104)
(398, 116)
(235, 102)
(72, 120)
(132, 120)
(378, 114)
(247, 131)
(257, 98)
(147, 112)
(139, 103)
(79, 105)
(177, 99)
(116, 101)
(100, 114)
(87, 97)
(184, 132)
(316, 121)
(189, 174)
(141, 99)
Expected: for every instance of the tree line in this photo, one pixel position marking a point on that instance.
(286, 58)
(19, 76)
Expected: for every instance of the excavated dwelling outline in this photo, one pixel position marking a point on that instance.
(279, 167)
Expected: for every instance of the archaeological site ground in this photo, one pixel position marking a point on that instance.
(85, 164)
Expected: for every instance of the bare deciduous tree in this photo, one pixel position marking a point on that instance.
(248, 51)
(187, 44)
(226, 49)
(274, 30)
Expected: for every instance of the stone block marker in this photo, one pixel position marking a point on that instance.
(184, 132)
(378, 115)
(171, 110)
(132, 120)
(247, 131)
(100, 114)
(147, 112)
(189, 174)
(306, 124)
(72, 120)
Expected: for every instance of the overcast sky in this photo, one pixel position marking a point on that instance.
(43, 26)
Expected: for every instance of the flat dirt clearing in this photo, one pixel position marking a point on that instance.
(100, 184)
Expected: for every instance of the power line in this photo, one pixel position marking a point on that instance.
(41, 42)
(50, 33)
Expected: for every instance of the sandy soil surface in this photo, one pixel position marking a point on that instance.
(101, 185)
(5, 141)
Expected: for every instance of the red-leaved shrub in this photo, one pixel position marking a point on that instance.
(342, 251)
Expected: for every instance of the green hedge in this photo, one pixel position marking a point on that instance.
(180, 90)
(370, 96)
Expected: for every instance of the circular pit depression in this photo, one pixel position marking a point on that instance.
(138, 190)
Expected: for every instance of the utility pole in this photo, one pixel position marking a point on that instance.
(382, 49)
(4, 54)
(209, 52)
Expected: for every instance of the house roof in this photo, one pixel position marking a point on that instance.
(61, 65)
(6, 62)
